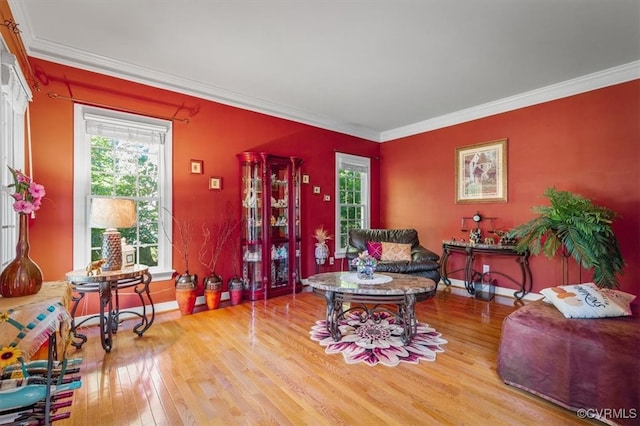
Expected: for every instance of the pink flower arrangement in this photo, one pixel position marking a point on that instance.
(28, 195)
(364, 259)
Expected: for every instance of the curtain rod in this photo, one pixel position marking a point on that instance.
(12, 26)
(54, 95)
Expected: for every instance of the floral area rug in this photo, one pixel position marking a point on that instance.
(378, 341)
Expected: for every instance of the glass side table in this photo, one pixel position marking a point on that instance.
(107, 284)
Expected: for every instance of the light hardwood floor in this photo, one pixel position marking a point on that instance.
(254, 364)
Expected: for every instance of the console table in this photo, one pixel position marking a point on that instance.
(401, 290)
(107, 284)
(471, 250)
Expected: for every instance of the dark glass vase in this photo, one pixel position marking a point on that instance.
(21, 277)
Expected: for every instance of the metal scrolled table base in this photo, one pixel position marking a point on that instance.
(405, 313)
(109, 315)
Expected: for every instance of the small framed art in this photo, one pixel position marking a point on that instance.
(481, 172)
(197, 167)
(215, 183)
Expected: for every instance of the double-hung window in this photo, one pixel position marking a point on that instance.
(352, 197)
(122, 155)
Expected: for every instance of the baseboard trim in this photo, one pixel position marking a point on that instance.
(159, 308)
(500, 291)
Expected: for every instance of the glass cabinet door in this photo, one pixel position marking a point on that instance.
(271, 226)
(252, 226)
(279, 221)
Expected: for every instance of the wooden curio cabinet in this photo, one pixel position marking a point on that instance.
(270, 196)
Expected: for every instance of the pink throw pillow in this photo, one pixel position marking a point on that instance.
(375, 249)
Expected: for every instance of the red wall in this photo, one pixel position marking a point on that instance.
(215, 134)
(588, 143)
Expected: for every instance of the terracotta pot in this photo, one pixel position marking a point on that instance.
(186, 292)
(235, 290)
(186, 299)
(21, 277)
(212, 291)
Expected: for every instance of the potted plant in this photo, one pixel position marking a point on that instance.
(215, 239)
(186, 284)
(322, 250)
(579, 228)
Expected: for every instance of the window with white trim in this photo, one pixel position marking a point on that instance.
(14, 97)
(126, 156)
(352, 197)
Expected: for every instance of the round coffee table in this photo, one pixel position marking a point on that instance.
(399, 289)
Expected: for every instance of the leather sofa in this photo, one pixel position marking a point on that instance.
(423, 263)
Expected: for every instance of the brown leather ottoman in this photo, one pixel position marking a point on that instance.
(580, 364)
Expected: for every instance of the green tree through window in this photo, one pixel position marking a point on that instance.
(352, 194)
(123, 155)
(128, 169)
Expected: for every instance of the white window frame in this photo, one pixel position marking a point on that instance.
(15, 95)
(82, 186)
(343, 161)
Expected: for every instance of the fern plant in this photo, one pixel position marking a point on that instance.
(580, 228)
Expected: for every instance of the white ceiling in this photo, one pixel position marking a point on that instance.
(375, 69)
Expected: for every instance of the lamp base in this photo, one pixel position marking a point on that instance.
(111, 250)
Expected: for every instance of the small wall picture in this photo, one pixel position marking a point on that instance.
(316, 189)
(215, 183)
(197, 167)
(305, 178)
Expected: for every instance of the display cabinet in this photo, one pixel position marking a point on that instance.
(270, 196)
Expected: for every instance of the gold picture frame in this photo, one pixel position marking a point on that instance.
(481, 172)
(215, 183)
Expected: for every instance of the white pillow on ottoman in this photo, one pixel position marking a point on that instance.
(588, 301)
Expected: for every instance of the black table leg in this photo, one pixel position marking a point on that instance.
(468, 272)
(106, 318)
(74, 327)
(143, 289)
(334, 308)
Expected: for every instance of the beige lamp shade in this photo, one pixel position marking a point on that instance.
(113, 213)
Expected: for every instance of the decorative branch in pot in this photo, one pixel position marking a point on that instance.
(215, 238)
(322, 250)
(186, 284)
(579, 228)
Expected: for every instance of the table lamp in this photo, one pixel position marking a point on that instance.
(109, 214)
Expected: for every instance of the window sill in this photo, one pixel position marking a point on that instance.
(161, 274)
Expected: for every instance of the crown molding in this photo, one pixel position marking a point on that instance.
(586, 83)
(91, 62)
(80, 59)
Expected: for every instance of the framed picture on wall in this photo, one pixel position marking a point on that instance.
(197, 167)
(215, 183)
(481, 172)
